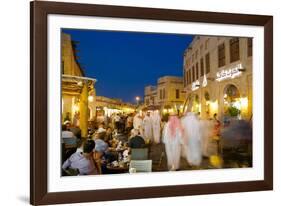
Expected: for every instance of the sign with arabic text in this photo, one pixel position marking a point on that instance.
(229, 73)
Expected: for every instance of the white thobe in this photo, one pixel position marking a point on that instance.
(192, 136)
(147, 128)
(172, 147)
(156, 120)
(138, 124)
(207, 127)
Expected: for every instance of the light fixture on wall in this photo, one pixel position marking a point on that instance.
(242, 69)
(80, 83)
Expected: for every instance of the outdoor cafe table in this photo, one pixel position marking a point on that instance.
(117, 169)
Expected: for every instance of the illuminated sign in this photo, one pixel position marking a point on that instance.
(195, 85)
(229, 73)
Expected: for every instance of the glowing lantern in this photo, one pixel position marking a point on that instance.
(90, 98)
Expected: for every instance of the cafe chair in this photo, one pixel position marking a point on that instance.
(71, 172)
(139, 153)
(141, 165)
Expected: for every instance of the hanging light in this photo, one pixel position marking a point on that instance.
(90, 98)
(80, 83)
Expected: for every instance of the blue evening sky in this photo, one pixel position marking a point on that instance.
(125, 62)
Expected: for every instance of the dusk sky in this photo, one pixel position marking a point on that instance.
(125, 62)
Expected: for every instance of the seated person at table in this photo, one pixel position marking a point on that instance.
(108, 135)
(82, 162)
(76, 131)
(100, 149)
(136, 141)
(68, 138)
(98, 131)
(101, 145)
(101, 127)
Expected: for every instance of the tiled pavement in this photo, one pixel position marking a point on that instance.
(159, 160)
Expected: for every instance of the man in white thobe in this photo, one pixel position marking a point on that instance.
(147, 127)
(192, 139)
(138, 123)
(172, 138)
(156, 121)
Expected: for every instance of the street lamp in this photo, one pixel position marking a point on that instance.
(137, 99)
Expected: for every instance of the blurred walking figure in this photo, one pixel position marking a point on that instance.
(210, 146)
(172, 137)
(147, 127)
(207, 143)
(156, 121)
(237, 144)
(217, 133)
(217, 127)
(192, 139)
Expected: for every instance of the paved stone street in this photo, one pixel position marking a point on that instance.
(232, 159)
(159, 159)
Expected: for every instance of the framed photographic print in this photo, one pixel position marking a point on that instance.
(131, 103)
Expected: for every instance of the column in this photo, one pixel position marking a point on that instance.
(84, 110)
(203, 104)
(94, 104)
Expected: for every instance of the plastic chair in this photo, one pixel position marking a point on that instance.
(141, 165)
(139, 153)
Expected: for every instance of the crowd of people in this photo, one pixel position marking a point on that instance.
(111, 139)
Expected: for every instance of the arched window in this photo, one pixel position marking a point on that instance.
(232, 105)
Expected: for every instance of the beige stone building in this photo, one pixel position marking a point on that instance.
(150, 95)
(69, 59)
(78, 92)
(218, 76)
(79, 100)
(169, 94)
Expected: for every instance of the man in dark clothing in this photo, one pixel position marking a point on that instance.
(136, 141)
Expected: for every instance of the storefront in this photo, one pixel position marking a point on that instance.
(105, 107)
(77, 93)
(234, 93)
(173, 108)
(227, 95)
(231, 100)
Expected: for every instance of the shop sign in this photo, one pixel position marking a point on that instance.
(229, 73)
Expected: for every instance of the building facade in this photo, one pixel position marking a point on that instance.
(150, 95)
(70, 65)
(77, 91)
(218, 76)
(168, 95)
